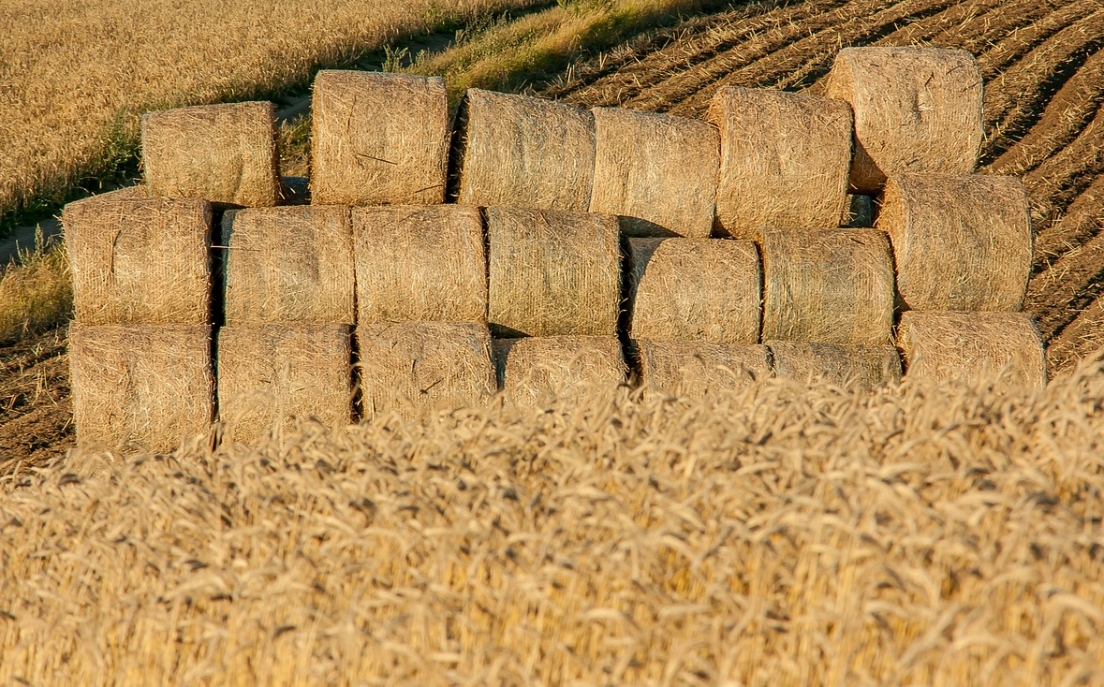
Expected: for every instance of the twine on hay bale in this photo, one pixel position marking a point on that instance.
(221, 153)
(848, 366)
(973, 347)
(959, 242)
(271, 373)
(139, 260)
(829, 286)
(784, 160)
(695, 289)
(142, 387)
(917, 110)
(695, 368)
(553, 273)
(657, 172)
(516, 150)
(378, 139)
(544, 371)
(420, 263)
(418, 367)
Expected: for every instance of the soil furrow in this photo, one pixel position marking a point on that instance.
(986, 31)
(1078, 339)
(1055, 295)
(1022, 41)
(923, 30)
(1058, 181)
(1083, 219)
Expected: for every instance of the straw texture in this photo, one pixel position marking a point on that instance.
(657, 171)
(136, 260)
(517, 150)
(696, 368)
(422, 263)
(419, 367)
(140, 388)
(553, 273)
(959, 242)
(269, 374)
(917, 110)
(289, 264)
(784, 160)
(559, 370)
(378, 139)
(972, 347)
(861, 368)
(696, 289)
(221, 153)
(831, 286)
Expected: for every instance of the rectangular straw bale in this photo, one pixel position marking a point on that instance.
(569, 370)
(418, 367)
(221, 153)
(917, 110)
(139, 260)
(289, 264)
(696, 368)
(973, 347)
(831, 286)
(140, 387)
(657, 172)
(420, 263)
(378, 139)
(553, 273)
(516, 150)
(269, 374)
(959, 242)
(695, 289)
(784, 160)
(845, 365)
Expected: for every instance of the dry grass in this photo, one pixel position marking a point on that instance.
(36, 293)
(781, 536)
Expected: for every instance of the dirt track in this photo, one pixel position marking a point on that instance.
(1044, 69)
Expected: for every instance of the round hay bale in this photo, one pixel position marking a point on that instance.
(916, 110)
(973, 347)
(784, 160)
(545, 371)
(960, 243)
(517, 150)
(696, 368)
(378, 139)
(830, 286)
(695, 289)
(289, 264)
(140, 388)
(269, 374)
(849, 366)
(553, 273)
(657, 172)
(419, 367)
(420, 263)
(221, 153)
(139, 260)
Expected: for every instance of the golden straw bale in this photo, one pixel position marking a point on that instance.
(517, 150)
(272, 373)
(141, 387)
(543, 371)
(846, 365)
(694, 368)
(420, 263)
(553, 273)
(831, 286)
(971, 347)
(416, 367)
(916, 110)
(657, 171)
(378, 139)
(139, 260)
(784, 160)
(959, 242)
(289, 264)
(221, 153)
(699, 289)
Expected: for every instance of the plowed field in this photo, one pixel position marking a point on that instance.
(1044, 69)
